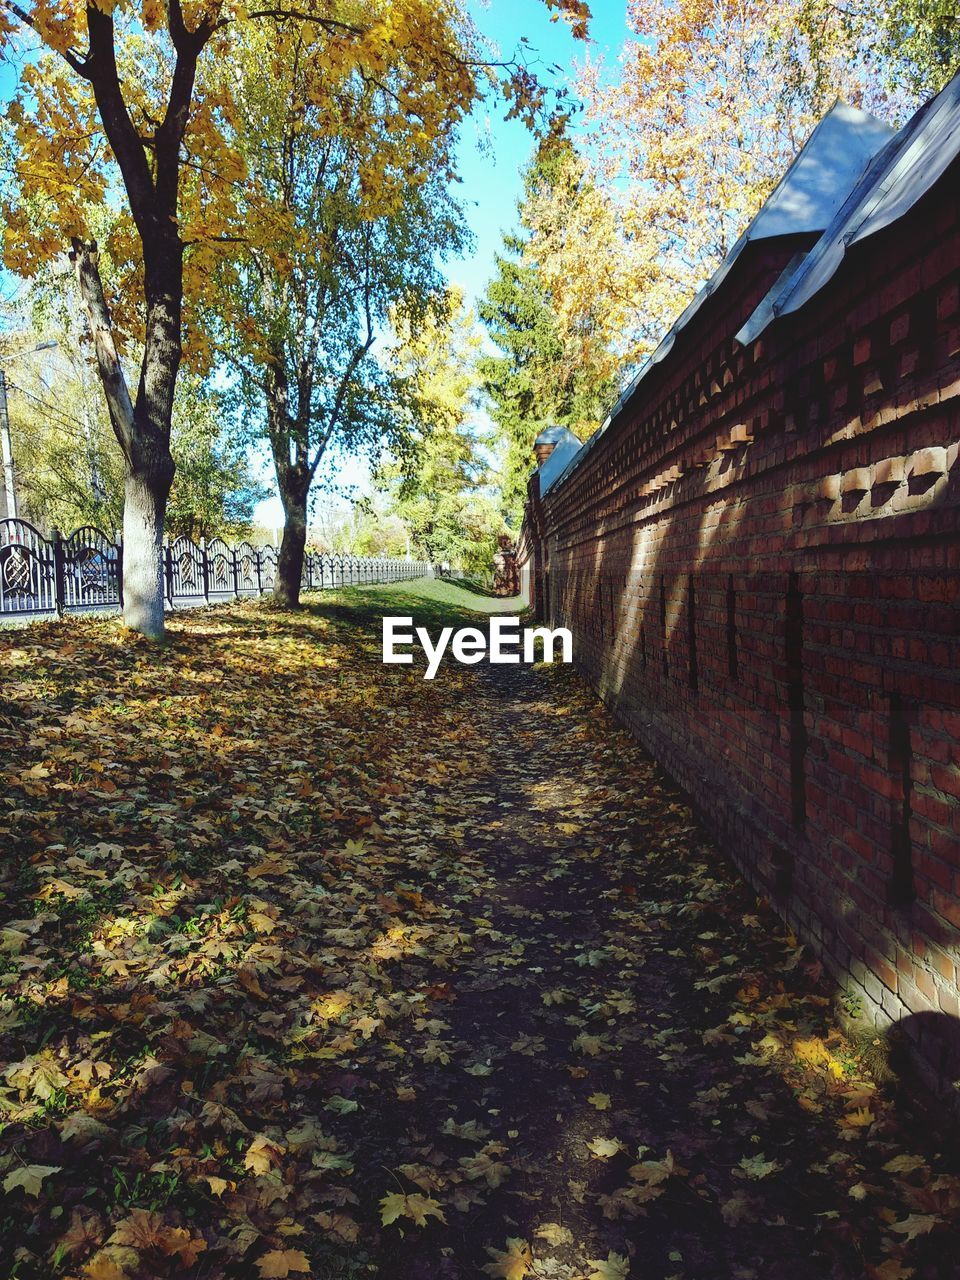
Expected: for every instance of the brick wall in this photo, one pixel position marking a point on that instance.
(759, 562)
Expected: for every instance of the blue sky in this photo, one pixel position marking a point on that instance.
(492, 174)
(492, 154)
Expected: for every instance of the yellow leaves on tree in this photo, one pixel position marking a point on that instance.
(683, 142)
(425, 54)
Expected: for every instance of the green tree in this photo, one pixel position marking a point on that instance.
(915, 42)
(69, 472)
(298, 322)
(439, 485)
(535, 381)
(214, 490)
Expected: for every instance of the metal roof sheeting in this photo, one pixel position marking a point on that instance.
(906, 169)
(803, 202)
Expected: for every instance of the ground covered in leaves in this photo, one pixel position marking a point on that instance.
(311, 968)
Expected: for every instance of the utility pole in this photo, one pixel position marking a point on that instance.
(6, 448)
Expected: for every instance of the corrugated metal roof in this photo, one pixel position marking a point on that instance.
(907, 167)
(803, 202)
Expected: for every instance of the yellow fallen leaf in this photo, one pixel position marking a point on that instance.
(600, 1100)
(814, 1053)
(916, 1224)
(512, 1263)
(282, 1262)
(262, 1155)
(603, 1148)
(614, 1267)
(904, 1164)
(859, 1118)
(417, 1207)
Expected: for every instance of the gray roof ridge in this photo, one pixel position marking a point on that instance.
(892, 165)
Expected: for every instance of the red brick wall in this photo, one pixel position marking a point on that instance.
(760, 562)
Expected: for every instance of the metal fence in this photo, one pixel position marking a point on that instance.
(84, 571)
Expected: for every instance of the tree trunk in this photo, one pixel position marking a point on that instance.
(286, 592)
(142, 430)
(144, 503)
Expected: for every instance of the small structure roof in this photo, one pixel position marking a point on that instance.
(551, 435)
(565, 447)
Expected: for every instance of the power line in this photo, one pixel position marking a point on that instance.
(51, 408)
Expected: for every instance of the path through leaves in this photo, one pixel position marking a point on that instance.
(310, 968)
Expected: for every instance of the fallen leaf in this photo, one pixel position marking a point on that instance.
(603, 1148)
(554, 1233)
(29, 1177)
(417, 1207)
(512, 1263)
(282, 1262)
(916, 1224)
(614, 1267)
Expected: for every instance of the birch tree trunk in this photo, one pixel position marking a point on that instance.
(151, 179)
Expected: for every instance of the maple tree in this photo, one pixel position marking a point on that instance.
(116, 107)
(308, 967)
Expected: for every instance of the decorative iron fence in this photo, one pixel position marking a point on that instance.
(84, 571)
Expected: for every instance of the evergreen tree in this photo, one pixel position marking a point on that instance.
(533, 383)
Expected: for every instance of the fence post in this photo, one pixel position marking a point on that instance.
(59, 577)
(234, 574)
(205, 570)
(168, 569)
(259, 576)
(118, 539)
